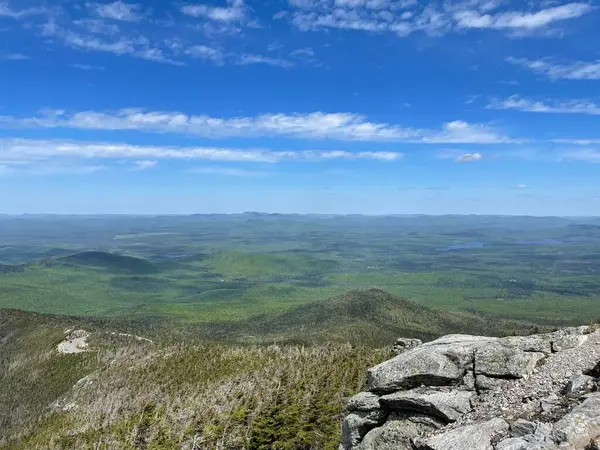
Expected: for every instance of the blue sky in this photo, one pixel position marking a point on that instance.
(327, 106)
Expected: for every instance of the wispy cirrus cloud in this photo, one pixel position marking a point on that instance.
(14, 57)
(234, 12)
(98, 26)
(18, 151)
(521, 19)
(459, 155)
(461, 132)
(581, 155)
(87, 67)
(469, 157)
(434, 18)
(206, 53)
(301, 53)
(118, 10)
(7, 11)
(139, 47)
(303, 56)
(117, 28)
(576, 141)
(518, 103)
(48, 169)
(316, 125)
(544, 154)
(144, 165)
(100, 35)
(247, 59)
(578, 70)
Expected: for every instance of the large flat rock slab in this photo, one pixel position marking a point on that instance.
(439, 363)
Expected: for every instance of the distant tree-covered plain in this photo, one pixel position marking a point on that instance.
(226, 268)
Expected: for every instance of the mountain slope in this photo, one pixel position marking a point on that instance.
(131, 393)
(371, 316)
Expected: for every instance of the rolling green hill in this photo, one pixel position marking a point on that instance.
(373, 316)
(111, 262)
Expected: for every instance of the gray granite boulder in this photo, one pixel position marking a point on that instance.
(398, 432)
(578, 383)
(438, 363)
(581, 425)
(568, 338)
(470, 437)
(499, 360)
(404, 344)
(448, 406)
(363, 401)
(357, 424)
(522, 443)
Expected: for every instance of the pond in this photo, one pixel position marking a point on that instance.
(477, 244)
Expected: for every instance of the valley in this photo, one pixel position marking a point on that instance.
(251, 331)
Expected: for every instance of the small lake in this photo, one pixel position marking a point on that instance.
(176, 255)
(463, 246)
(475, 244)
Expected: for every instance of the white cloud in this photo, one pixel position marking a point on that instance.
(139, 47)
(86, 67)
(273, 47)
(303, 53)
(583, 155)
(553, 107)
(14, 57)
(579, 70)
(98, 26)
(228, 171)
(521, 186)
(563, 155)
(144, 165)
(461, 132)
(247, 59)
(235, 12)
(521, 20)
(48, 169)
(458, 155)
(316, 125)
(469, 157)
(119, 47)
(19, 151)
(304, 56)
(207, 53)
(7, 11)
(119, 10)
(433, 18)
(578, 141)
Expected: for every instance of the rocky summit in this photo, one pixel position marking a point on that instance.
(461, 392)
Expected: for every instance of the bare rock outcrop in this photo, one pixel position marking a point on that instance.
(464, 392)
(75, 342)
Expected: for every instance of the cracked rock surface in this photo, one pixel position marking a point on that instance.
(464, 392)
